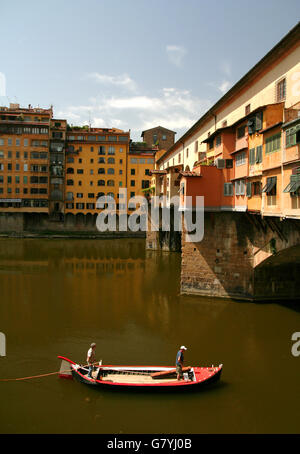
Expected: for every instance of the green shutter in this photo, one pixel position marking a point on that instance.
(249, 190)
(258, 121)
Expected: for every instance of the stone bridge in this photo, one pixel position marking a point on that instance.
(242, 256)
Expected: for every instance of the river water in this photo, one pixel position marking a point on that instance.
(58, 296)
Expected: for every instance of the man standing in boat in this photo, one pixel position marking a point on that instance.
(179, 362)
(91, 359)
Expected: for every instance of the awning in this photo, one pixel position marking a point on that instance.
(293, 185)
(270, 184)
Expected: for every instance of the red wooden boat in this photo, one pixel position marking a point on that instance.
(148, 377)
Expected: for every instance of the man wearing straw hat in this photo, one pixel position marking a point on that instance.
(91, 359)
(179, 362)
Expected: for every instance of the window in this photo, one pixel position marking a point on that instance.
(258, 154)
(154, 139)
(247, 109)
(240, 187)
(147, 171)
(240, 159)
(164, 137)
(241, 131)
(80, 171)
(25, 154)
(111, 150)
(70, 182)
(101, 170)
(101, 183)
(34, 179)
(90, 206)
(120, 172)
(133, 161)
(132, 194)
(132, 182)
(112, 138)
(252, 158)
(70, 170)
(79, 195)
(25, 142)
(91, 195)
(110, 183)
(101, 160)
(92, 138)
(110, 171)
(70, 206)
(249, 189)
(273, 143)
(123, 139)
(91, 171)
(80, 206)
(294, 185)
(218, 140)
(281, 90)
(69, 196)
(132, 171)
(211, 144)
(17, 179)
(270, 187)
(25, 180)
(1, 141)
(1, 154)
(256, 188)
(292, 136)
(101, 138)
(101, 150)
(228, 189)
(111, 161)
(145, 184)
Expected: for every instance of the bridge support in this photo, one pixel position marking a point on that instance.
(243, 256)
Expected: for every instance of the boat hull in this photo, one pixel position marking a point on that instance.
(142, 377)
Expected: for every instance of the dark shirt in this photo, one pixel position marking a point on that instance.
(179, 357)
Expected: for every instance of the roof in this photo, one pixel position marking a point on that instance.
(158, 172)
(275, 125)
(190, 174)
(215, 133)
(158, 127)
(288, 40)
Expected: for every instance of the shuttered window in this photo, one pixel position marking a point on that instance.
(259, 154)
(270, 187)
(249, 189)
(273, 143)
(228, 189)
(240, 187)
(252, 159)
(292, 136)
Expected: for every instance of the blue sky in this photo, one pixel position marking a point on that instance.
(133, 64)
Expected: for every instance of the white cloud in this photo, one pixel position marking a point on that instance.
(172, 108)
(175, 54)
(123, 80)
(224, 86)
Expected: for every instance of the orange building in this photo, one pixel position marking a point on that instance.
(24, 159)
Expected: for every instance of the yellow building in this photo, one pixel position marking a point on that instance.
(95, 166)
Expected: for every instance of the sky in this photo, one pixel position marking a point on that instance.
(133, 64)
